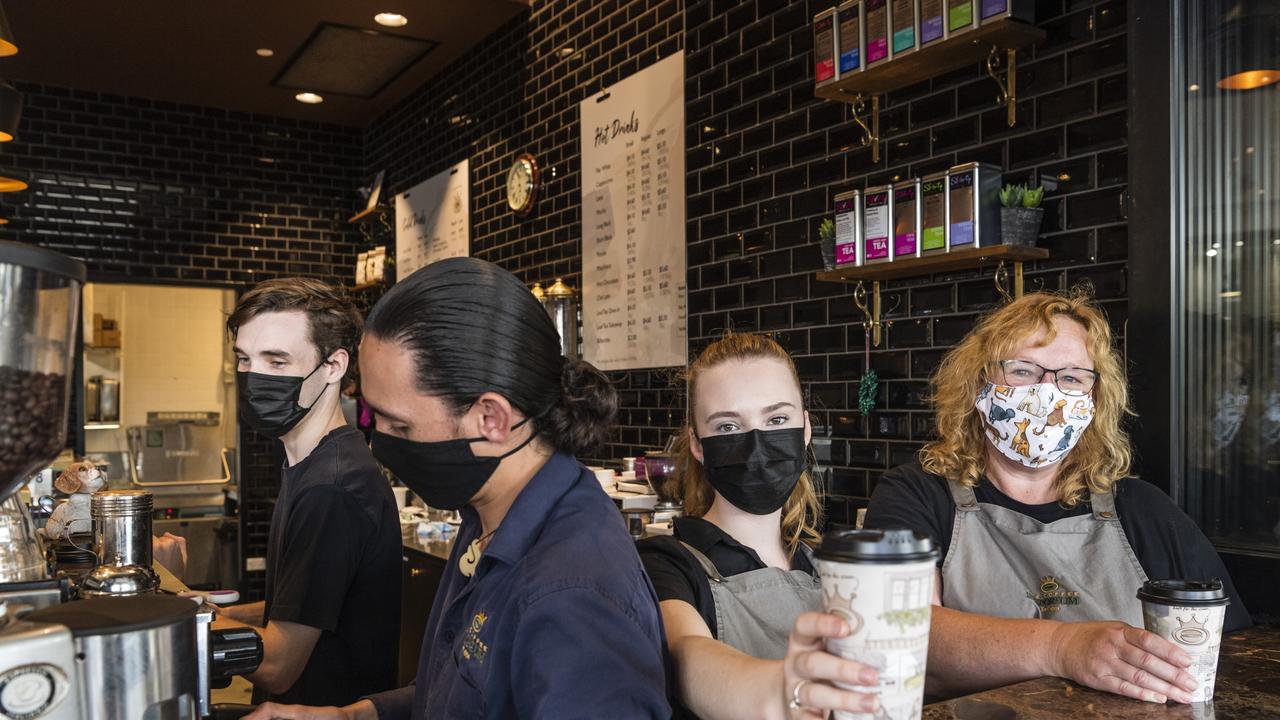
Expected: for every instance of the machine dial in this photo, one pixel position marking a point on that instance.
(29, 691)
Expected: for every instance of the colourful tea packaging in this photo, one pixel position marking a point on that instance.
(906, 219)
(902, 24)
(973, 206)
(961, 16)
(933, 214)
(824, 48)
(849, 228)
(849, 30)
(931, 24)
(992, 10)
(876, 26)
(877, 211)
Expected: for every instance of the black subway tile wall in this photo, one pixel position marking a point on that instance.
(1071, 135)
(518, 91)
(142, 189)
(150, 191)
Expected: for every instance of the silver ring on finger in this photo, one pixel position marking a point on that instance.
(795, 703)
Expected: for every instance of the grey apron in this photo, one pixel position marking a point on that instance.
(1006, 564)
(756, 610)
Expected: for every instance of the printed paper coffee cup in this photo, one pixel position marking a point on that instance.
(881, 583)
(1189, 614)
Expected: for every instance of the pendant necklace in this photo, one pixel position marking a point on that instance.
(467, 563)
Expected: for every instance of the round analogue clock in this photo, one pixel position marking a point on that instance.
(522, 184)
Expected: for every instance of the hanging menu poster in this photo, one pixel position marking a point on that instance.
(433, 221)
(633, 247)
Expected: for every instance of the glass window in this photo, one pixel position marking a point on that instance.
(1228, 210)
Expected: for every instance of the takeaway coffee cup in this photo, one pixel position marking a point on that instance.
(881, 583)
(1189, 614)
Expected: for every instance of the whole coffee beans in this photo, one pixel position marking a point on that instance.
(32, 421)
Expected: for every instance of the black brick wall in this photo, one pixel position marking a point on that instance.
(153, 191)
(764, 160)
(150, 191)
(516, 92)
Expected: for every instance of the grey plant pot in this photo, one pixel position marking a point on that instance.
(828, 253)
(1020, 226)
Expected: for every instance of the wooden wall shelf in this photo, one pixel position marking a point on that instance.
(934, 60)
(968, 259)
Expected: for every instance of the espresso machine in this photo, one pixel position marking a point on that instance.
(125, 651)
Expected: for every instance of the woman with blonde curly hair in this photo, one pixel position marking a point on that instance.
(736, 583)
(1045, 539)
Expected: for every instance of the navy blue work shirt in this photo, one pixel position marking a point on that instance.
(559, 620)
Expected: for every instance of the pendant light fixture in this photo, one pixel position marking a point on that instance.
(7, 44)
(1248, 44)
(10, 111)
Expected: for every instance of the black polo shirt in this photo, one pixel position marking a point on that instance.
(333, 563)
(676, 575)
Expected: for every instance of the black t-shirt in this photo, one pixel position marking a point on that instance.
(333, 563)
(1167, 543)
(677, 575)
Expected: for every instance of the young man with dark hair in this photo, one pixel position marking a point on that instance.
(332, 607)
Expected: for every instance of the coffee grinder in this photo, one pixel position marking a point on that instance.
(127, 652)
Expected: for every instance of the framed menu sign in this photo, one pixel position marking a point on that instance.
(633, 246)
(433, 220)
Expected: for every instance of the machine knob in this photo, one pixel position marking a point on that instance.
(30, 690)
(234, 651)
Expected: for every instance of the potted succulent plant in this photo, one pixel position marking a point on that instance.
(827, 240)
(1020, 214)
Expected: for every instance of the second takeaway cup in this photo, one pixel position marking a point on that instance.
(881, 583)
(1189, 614)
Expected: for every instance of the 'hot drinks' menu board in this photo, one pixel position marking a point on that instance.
(433, 220)
(633, 264)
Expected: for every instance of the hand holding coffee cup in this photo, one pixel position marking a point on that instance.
(1189, 614)
(811, 674)
(880, 582)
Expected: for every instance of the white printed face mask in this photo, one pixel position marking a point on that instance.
(1035, 425)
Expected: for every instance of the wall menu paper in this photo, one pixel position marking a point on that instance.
(633, 244)
(433, 220)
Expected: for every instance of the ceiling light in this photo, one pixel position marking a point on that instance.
(8, 184)
(1252, 59)
(1211, 252)
(1064, 176)
(265, 52)
(309, 98)
(566, 51)
(1193, 88)
(8, 46)
(4, 221)
(10, 111)
(1229, 294)
(387, 19)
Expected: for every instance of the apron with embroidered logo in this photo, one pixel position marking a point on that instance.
(756, 610)
(1003, 563)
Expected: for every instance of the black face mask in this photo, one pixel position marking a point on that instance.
(445, 474)
(756, 470)
(269, 403)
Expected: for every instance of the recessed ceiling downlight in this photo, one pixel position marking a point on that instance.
(309, 98)
(388, 19)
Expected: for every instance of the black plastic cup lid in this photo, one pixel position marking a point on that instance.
(1184, 592)
(876, 546)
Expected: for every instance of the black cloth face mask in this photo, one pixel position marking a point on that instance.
(269, 403)
(756, 470)
(445, 474)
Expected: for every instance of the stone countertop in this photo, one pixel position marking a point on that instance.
(1248, 686)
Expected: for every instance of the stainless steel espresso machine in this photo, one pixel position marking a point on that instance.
(128, 652)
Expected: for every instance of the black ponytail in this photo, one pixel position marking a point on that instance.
(475, 328)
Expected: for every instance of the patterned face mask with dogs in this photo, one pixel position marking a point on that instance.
(1035, 425)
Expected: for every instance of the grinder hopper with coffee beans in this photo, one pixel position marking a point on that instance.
(146, 654)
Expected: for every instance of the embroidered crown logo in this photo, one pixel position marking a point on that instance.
(1051, 596)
